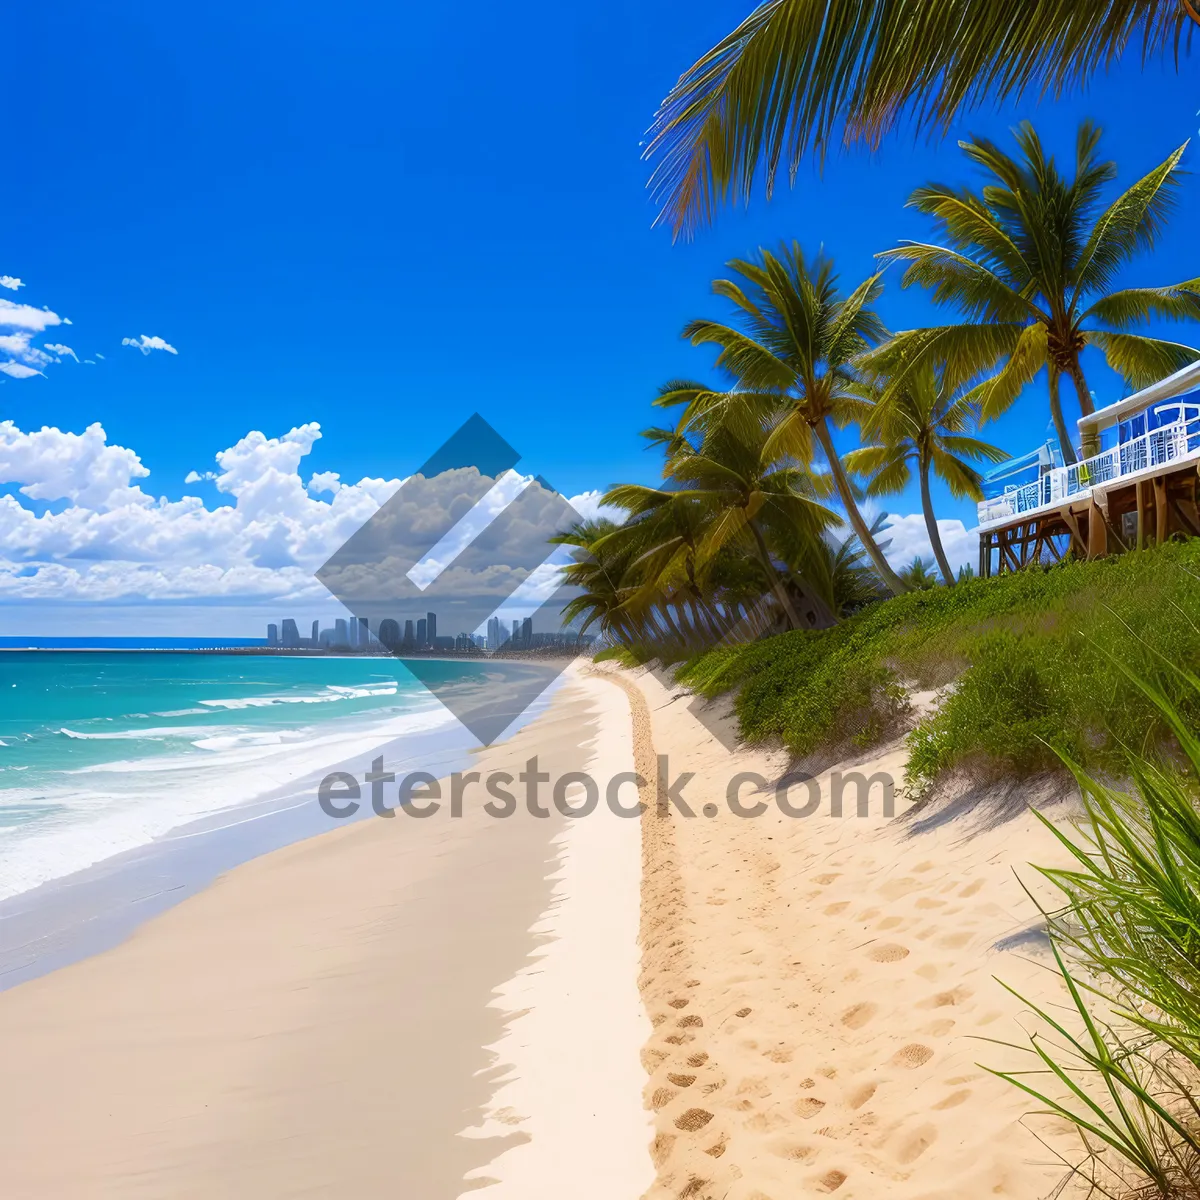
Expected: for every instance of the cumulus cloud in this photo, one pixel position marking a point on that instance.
(196, 477)
(909, 540)
(10, 282)
(25, 316)
(99, 537)
(145, 344)
(62, 351)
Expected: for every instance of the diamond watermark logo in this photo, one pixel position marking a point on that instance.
(458, 564)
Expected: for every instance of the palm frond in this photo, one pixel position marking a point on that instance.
(1138, 306)
(796, 73)
(1142, 360)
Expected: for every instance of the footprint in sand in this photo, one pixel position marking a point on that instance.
(793, 1151)
(682, 1081)
(958, 995)
(861, 1095)
(830, 1181)
(697, 1060)
(808, 1106)
(888, 952)
(939, 1028)
(693, 1120)
(912, 1056)
(953, 1100)
(859, 1015)
(915, 1144)
(972, 888)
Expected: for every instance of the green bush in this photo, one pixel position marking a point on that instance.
(1029, 657)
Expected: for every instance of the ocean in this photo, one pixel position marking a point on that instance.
(102, 752)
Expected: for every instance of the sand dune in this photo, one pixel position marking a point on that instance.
(817, 987)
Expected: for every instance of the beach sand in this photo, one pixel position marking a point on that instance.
(417, 1008)
(817, 986)
(444, 1007)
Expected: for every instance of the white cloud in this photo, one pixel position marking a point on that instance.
(910, 540)
(10, 282)
(16, 370)
(61, 350)
(196, 477)
(104, 539)
(145, 344)
(19, 358)
(100, 356)
(25, 316)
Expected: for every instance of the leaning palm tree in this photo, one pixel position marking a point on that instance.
(1029, 262)
(796, 74)
(925, 425)
(739, 497)
(791, 353)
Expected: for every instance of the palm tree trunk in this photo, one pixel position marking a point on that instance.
(1091, 440)
(882, 566)
(1060, 425)
(931, 525)
(776, 583)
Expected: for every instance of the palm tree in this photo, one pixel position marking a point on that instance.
(927, 425)
(597, 572)
(791, 355)
(1030, 266)
(919, 577)
(741, 498)
(797, 73)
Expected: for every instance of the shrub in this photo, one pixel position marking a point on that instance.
(1032, 655)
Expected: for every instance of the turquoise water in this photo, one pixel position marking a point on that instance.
(104, 751)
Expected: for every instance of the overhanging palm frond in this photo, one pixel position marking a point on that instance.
(795, 73)
(1137, 306)
(1142, 360)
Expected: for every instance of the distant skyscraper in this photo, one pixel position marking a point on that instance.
(422, 640)
(516, 633)
(316, 637)
(408, 633)
(364, 634)
(290, 635)
(272, 635)
(493, 633)
(527, 632)
(341, 637)
(389, 633)
(431, 627)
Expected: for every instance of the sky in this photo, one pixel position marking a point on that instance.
(299, 240)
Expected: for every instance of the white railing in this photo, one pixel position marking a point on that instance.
(1180, 440)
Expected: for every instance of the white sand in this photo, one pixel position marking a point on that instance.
(818, 986)
(571, 1083)
(325, 1021)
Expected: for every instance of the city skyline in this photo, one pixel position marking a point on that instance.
(417, 635)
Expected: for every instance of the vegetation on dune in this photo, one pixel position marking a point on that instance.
(1031, 659)
(1121, 1059)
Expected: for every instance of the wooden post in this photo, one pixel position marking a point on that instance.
(1140, 541)
(1076, 534)
(1160, 509)
(1097, 546)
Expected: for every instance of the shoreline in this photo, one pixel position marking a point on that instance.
(383, 1009)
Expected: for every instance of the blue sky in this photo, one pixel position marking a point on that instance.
(381, 218)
